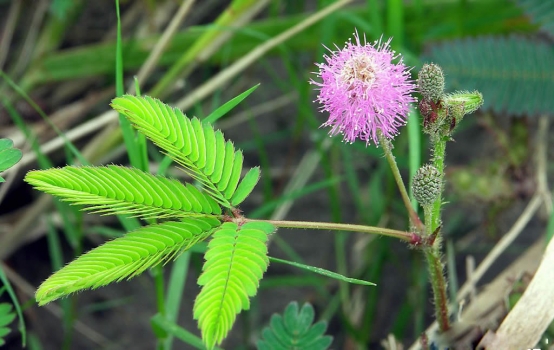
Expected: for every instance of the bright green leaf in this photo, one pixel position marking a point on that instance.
(198, 148)
(126, 257)
(235, 262)
(120, 190)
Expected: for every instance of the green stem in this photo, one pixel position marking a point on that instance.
(402, 235)
(438, 162)
(158, 275)
(387, 149)
(438, 284)
(433, 254)
(428, 216)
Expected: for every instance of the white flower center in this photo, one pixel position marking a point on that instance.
(358, 70)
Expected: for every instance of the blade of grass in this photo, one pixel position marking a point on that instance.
(43, 115)
(220, 31)
(162, 44)
(414, 149)
(70, 231)
(378, 256)
(375, 16)
(269, 206)
(395, 22)
(56, 259)
(352, 181)
(180, 333)
(323, 272)
(264, 162)
(44, 162)
(228, 106)
(175, 289)
(490, 17)
(293, 281)
(135, 149)
(237, 67)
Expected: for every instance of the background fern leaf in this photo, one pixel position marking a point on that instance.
(294, 331)
(119, 190)
(126, 256)
(515, 74)
(202, 151)
(235, 262)
(541, 12)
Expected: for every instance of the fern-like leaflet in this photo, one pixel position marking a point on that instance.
(514, 73)
(120, 190)
(126, 256)
(202, 151)
(235, 262)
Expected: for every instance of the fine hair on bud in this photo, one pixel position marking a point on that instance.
(431, 82)
(426, 185)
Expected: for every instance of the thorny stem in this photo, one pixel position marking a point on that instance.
(387, 149)
(409, 237)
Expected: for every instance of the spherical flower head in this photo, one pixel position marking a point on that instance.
(364, 91)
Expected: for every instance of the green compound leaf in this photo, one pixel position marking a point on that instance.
(6, 318)
(202, 151)
(515, 74)
(541, 12)
(294, 331)
(120, 190)
(9, 156)
(236, 260)
(126, 257)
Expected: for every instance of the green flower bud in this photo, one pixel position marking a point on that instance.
(464, 102)
(426, 185)
(431, 82)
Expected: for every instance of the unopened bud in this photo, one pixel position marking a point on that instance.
(431, 82)
(426, 185)
(464, 102)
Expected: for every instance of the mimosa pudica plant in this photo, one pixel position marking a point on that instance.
(367, 97)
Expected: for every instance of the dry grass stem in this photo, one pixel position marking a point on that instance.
(150, 63)
(233, 70)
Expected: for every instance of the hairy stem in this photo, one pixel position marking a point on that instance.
(432, 253)
(387, 149)
(428, 217)
(438, 284)
(438, 162)
(402, 235)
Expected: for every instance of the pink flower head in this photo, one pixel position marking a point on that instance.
(364, 91)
